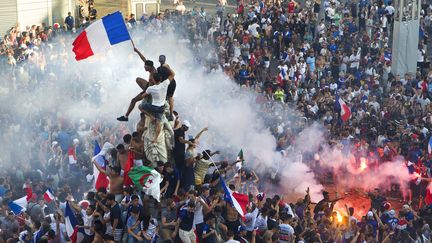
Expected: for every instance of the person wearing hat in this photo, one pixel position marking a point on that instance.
(392, 220)
(371, 219)
(180, 143)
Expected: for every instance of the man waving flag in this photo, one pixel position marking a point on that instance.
(101, 35)
(237, 200)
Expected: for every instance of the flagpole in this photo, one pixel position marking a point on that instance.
(212, 161)
(133, 44)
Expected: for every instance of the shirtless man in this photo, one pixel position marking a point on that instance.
(171, 86)
(116, 183)
(115, 180)
(232, 216)
(137, 148)
(149, 67)
(122, 155)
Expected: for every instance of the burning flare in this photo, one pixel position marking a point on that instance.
(363, 164)
(338, 218)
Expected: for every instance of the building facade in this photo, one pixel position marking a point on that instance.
(31, 12)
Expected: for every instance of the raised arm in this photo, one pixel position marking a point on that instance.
(99, 167)
(200, 133)
(256, 177)
(378, 219)
(138, 52)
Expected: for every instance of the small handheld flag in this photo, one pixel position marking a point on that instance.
(72, 156)
(49, 195)
(18, 206)
(345, 112)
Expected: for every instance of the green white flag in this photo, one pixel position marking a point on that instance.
(146, 179)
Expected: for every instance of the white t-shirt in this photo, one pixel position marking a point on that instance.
(420, 55)
(158, 93)
(384, 21)
(354, 61)
(88, 221)
(199, 215)
(250, 219)
(253, 29)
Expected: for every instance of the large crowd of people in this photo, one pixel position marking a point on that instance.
(282, 51)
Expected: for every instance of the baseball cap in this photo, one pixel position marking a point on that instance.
(406, 206)
(370, 214)
(75, 141)
(84, 204)
(241, 228)
(186, 123)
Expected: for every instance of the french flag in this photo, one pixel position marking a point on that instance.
(72, 156)
(100, 36)
(237, 200)
(100, 179)
(281, 76)
(71, 223)
(49, 195)
(18, 206)
(345, 110)
(430, 145)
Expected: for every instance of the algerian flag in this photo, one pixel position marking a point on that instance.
(146, 179)
(240, 160)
